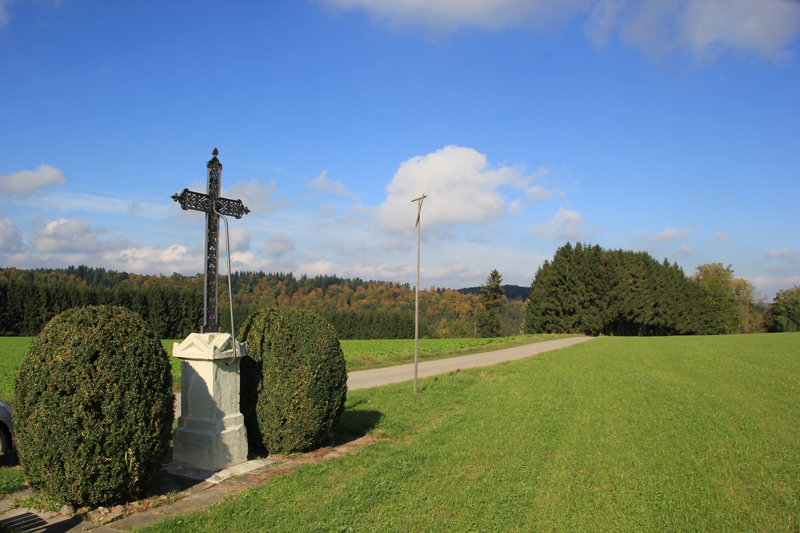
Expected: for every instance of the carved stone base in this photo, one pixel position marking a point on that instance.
(210, 433)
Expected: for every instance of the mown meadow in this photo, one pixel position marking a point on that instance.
(616, 434)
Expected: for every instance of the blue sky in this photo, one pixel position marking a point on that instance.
(670, 126)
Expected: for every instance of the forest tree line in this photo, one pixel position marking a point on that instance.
(587, 289)
(583, 289)
(173, 305)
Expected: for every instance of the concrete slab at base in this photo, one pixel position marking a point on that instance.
(222, 475)
(210, 433)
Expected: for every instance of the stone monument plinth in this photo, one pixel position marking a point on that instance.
(210, 433)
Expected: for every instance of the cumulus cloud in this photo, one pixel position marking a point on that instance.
(565, 225)
(448, 15)
(10, 237)
(459, 183)
(684, 250)
(321, 183)
(26, 182)
(66, 236)
(278, 245)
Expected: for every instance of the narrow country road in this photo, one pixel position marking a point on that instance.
(397, 374)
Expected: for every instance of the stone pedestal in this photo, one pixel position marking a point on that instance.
(210, 433)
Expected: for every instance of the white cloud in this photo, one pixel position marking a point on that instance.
(254, 195)
(25, 182)
(459, 184)
(153, 260)
(669, 234)
(565, 225)
(538, 194)
(772, 253)
(320, 267)
(684, 250)
(515, 206)
(763, 27)
(789, 255)
(321, 183)
(722, 236)
(603, 21)
(703, 28)
(278, 245)
(239, 236)
(448, 15)
(392, 272)
(768, 285)
(66, 236)
(4, 16)
(10, 237)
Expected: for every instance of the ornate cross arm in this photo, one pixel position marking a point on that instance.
(202, 202)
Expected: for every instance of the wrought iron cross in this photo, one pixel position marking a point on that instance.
(213, 206)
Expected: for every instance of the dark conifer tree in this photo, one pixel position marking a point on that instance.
(488, 318)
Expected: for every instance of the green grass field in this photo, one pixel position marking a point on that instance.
(617, 434)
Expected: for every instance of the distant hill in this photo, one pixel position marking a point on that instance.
(513, 292)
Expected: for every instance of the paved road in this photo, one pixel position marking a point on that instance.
(397, 374)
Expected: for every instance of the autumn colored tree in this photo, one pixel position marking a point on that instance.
(717, 282)
(783, 314)
(751, 305)
(491, 302)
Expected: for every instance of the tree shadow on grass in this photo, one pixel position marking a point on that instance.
(357, 422)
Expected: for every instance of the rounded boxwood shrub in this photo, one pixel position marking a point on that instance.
(294, 384)
(94, 407)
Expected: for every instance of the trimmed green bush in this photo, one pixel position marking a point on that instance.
(294, 383)
(93, 407)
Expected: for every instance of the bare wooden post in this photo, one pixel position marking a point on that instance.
(416, 297)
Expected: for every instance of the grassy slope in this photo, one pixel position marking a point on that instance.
(618, 434)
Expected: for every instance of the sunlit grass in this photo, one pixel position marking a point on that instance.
(617, 434)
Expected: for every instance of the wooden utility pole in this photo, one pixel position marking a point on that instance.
(416, 298)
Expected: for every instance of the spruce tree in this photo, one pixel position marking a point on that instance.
(488, 317)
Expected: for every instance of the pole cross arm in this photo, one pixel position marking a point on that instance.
(202, 202)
